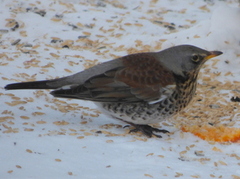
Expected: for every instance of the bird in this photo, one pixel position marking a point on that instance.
(139, 89)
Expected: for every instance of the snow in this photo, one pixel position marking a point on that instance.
(43, 137)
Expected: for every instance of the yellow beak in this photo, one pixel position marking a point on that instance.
(213, 54)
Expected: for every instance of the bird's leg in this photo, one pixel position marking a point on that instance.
(148, 130)
(145, 129)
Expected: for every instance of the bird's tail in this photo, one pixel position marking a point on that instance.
(30, 85)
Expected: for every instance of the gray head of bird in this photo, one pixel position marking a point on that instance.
(185, 59)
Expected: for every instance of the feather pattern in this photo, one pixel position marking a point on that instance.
(147, 81)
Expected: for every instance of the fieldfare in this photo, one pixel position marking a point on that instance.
(139, 89)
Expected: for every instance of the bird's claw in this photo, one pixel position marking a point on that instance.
(148, 130)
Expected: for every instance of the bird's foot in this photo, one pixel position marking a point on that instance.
(148, 130)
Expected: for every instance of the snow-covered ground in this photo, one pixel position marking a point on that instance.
(45, 137)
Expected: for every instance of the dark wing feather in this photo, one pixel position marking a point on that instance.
(141, 78)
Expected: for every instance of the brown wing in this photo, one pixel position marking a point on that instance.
(140, 78)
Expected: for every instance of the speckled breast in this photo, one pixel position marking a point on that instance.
(145, 113)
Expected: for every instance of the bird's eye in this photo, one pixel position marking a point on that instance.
(195, 58)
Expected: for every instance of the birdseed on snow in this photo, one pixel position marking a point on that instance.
(24, 117)
(148, 175)
(80, 137)
(5, 118)
(29, 151)
(193, 116)
(41, 122)
(10, 171)
(60, 123)
(235, 177)
(28, 129)
(38, 113)
(109, 141)
(18, 166)
(150, 154)
(178, 174)
(222, 162)
(70, 173)
(87, 133)
(216, 149)
(199, 153)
